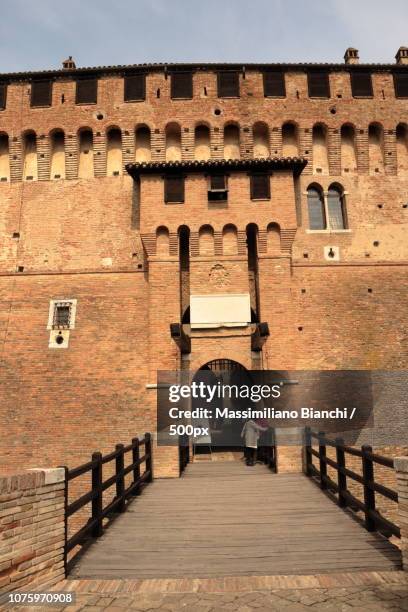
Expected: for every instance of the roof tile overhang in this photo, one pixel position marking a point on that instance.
(123, 69)
(259, 164)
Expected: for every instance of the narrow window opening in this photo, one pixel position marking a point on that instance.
(143, 144)
(260, 186)
(85, 166)
(57, 155)
(4, 158)
(174, 189)
(315, 203)
(114, 153)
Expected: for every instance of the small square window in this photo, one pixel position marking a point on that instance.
(41, 93)
(361, 85)
(86, 91)
(274, 84)
(401, 84)
(318, 84)
(228, 84)
(260, 187)
(218, 188)
(62, 314)
(135, 87)
(182, 85)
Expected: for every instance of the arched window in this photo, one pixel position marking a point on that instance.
(4, 158)
(376, 148)
(57, 155)
(348, 149)
(320, 152)
(316, 207)
(173, 142)
(229, 240)
(326, 210)
(261, 140)
(290, 146)
(206, 240)
(162, 241)
(202, 147)
(273, 238)
(85, 162)
(402, 147)
(30, 170)
(142, 145)
(114, 153)
(335, 208)
(231, 142)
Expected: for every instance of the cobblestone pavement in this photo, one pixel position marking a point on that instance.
(369, 599)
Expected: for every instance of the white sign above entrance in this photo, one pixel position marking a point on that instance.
(220, 310)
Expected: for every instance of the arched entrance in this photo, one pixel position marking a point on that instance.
(224, 432)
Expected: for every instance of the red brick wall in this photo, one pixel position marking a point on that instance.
(32, 530)
(82, 238)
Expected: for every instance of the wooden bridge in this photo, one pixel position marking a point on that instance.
(226, 519)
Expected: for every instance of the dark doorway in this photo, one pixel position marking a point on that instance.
(225, 433)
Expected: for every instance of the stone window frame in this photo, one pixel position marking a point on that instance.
(328, 229)
(54, 303)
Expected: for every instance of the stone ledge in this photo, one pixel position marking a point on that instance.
(33, 478)
(401, 464)
(51, 475)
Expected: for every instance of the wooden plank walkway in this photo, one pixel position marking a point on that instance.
(224, 519)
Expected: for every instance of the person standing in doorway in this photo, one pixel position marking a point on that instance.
(251, 432)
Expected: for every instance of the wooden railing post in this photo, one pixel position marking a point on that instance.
(341, 477)
(322, 462)
(308, 450)
(97, 503)
(120, 479)
(149, 456)
(135, 460)
(369, 494)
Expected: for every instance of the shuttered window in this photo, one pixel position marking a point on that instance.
(318, 85)
(228, 84)
(260, 187)
(3, 95)
(86, 91)
(173, 189)
(135, 87)
(182, 85)
(401, 84)
(274, 84)
(361, 85)
(41, 93)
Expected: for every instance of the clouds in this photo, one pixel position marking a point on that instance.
(37, 35)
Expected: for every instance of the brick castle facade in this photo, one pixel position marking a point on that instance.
(127, 191)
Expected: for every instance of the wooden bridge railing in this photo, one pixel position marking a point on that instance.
(374, 521)
(93, 528)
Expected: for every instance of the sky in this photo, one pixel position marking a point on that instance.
(39, 34)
